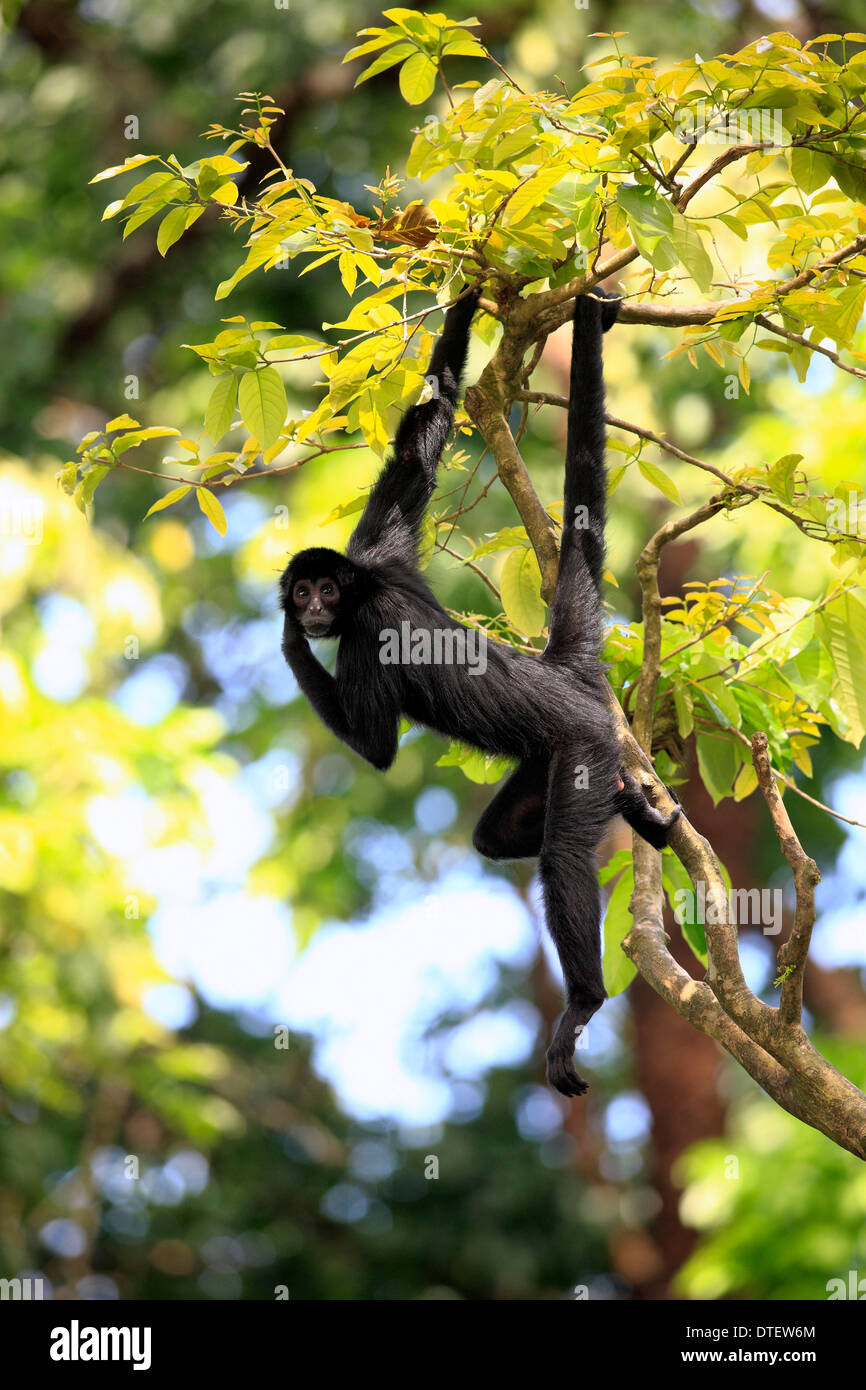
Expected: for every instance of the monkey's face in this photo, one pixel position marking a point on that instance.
(316, 604)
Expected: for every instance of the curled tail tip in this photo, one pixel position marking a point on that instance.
(610, 311)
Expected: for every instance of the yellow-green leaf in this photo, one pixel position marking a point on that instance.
(619, 971)
(660, 479)
(131, 163)
(169, 499)
(844, 628)
(348, 272)
(221, 407)
(262, 401)
(174, 224)
(520, 589)
(212, 509)
(417, 78)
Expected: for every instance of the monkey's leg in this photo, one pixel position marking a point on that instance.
(631, 803)
(575, 821)
(512, 827)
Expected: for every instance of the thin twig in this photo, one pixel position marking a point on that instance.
(469, 564)
(804, 342)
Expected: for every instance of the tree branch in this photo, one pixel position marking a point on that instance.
(793, 953)
(553, 308)
(804, 342)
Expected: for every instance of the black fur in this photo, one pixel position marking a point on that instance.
(548, 712)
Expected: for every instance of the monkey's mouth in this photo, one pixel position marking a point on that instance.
(318, 629)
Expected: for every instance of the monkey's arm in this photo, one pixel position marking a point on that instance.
(376, 739)
(395, 509)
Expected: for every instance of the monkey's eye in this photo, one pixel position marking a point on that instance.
(327, 588)
(302, 591)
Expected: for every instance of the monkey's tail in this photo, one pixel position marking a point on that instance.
(585, 474)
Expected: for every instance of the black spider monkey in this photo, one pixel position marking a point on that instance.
(549, 711)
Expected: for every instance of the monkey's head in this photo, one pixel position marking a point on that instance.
(318, 590)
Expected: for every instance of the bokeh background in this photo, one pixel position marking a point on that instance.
(266, 1021)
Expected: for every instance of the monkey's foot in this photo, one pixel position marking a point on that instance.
(561, 1074)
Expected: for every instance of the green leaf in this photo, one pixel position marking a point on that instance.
(136, 437)
(466, 45)
(221, 407)
(685, 711)
(262, 401)
(83, 493)
(144, 214)
(810, 672)
(481, 768)
(615, 865)
(615, 477)
(357, 504)
(212, 509)
(527, 199)
(287, 342)
(843, 323)
(660, 480)
(519, 586)
(781, 476)
(719, 762)
(850, 176)
(724, 702)
(693, 254)
(843, 625)
(67, 477)
(651, 221)
(386, 60)
(417, 78)
(348, 272)
(809, 169)
(734, 225)
(426, 541)
(373, 423)
(169, 499)
(503, 540)
(132, 163)
(173, 226)
(146, 189)
(676, 881)
(619, 971)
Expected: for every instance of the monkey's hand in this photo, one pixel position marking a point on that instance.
(294, 638)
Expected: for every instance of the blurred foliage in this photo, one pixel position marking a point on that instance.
(782, 1211)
